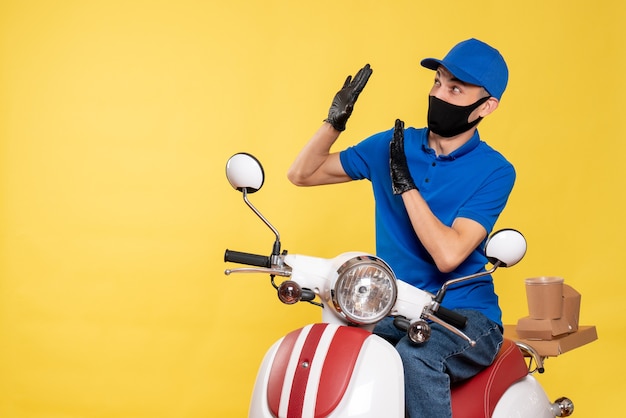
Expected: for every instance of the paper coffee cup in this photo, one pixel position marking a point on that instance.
(545, 297)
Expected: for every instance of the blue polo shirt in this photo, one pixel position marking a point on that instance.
(472, 182)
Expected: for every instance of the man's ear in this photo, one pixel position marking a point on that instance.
(489, 106)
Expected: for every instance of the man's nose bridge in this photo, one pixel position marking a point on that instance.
(440, 93)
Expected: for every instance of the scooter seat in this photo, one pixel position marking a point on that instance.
(477, 397)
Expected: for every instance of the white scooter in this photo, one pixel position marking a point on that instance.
(338, 368)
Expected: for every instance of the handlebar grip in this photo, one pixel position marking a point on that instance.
(401, 323)
(247, 258)
(455, 319)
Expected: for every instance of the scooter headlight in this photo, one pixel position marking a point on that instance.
(365, 290)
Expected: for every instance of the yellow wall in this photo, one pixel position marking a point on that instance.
(117, 117)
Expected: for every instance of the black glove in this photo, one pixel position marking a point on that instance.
(401, 179)
(344, 100)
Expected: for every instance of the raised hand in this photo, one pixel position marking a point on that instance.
(401, 179)
(344, 100)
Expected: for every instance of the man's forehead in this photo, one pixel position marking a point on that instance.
(444, 72)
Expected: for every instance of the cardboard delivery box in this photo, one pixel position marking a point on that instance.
(552, 326)
(558, 345)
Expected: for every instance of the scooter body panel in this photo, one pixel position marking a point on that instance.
(374, 383)
(524, 399)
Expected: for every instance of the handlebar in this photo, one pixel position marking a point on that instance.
(247, 258)
(455, 319)
(448, 316)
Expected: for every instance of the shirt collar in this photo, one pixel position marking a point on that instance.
(470, 145)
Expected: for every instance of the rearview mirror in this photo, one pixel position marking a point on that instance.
(245, 172)
(505, 247)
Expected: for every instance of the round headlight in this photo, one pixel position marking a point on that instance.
(365, 290)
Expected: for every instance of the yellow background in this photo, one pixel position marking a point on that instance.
(117, 118)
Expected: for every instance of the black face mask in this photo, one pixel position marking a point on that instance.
(448, 120)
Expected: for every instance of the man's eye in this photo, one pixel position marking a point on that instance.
(456, 89)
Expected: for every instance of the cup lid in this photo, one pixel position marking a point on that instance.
(544, 280)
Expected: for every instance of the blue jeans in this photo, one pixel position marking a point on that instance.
(430, 368)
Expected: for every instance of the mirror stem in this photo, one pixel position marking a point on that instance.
(276, 249)
(442, 292)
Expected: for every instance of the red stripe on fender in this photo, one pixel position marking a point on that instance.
(338, 367)
(301, 377)
(279, 369)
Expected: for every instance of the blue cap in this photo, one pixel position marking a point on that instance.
(474, 62)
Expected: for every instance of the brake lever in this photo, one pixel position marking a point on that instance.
(432, 317)
(271, 271)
